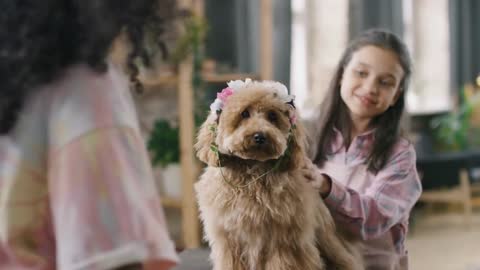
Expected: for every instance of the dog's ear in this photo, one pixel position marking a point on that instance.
(205, 141)
(297, 146)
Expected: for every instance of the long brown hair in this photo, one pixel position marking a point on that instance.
(334, 112)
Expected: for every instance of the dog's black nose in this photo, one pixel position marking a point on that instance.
(259, 138)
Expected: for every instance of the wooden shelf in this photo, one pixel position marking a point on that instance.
(221, 78)
(163, 80)
(160, 80)
(171, 202)
(476, 202)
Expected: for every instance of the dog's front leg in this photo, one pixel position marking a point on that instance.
(309, 260)
(223, 257)
(339, 253)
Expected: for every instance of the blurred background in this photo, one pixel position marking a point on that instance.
(298, 42)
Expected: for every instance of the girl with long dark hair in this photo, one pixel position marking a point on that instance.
(364, 169)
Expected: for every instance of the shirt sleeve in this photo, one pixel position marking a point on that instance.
(385, 203)
(105, 207)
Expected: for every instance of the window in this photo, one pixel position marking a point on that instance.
(427, 35)
(319, 35)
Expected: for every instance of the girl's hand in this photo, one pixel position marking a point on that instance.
(318, 180)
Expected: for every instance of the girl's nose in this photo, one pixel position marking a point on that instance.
(371, 86)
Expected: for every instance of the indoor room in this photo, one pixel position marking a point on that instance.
(240, 134)
(299, 44)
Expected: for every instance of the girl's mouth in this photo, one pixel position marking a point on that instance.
(366, 101)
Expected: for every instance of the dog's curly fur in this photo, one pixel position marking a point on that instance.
(277, 222)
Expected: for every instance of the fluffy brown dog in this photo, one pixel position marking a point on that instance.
(258, 211)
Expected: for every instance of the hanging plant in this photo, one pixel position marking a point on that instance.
(191, 43)
(192, 40)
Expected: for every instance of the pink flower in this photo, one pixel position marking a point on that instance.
(293, 119)
(226, 92)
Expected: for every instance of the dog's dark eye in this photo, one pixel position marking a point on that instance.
(272, 116)
(245, 114)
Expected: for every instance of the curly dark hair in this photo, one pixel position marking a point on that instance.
(40, 39)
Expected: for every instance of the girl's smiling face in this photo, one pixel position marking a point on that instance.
(370, 82)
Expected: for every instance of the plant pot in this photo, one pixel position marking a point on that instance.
(169, 180)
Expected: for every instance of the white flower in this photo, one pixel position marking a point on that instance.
(276, 86)
(287, 98)
(239, 84)
(280, 89)
(217, 105)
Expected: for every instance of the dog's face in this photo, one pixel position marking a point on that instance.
(255, 124)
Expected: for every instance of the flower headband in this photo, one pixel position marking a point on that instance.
(233, 86)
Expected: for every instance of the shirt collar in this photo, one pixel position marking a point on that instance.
(365, 134)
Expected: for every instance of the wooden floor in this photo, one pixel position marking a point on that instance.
(436, 241)
(441, 241)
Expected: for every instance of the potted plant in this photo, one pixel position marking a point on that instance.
(164, 148)
(454, 131)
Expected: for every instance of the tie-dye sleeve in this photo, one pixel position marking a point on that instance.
(385, 203)
(106, 211)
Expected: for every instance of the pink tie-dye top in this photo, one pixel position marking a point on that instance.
(76, 185)
(374, 207)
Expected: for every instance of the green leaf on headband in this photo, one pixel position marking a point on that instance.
(214, 148)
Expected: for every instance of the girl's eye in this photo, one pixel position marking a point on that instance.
(386, 83)
(245, 114)
(361, 73)
(272, 116)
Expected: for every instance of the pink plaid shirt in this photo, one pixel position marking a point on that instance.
(373, 207)
(76, 185)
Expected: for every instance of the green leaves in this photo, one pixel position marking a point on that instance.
(453, 131)
(192, 39)
(164, 144)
